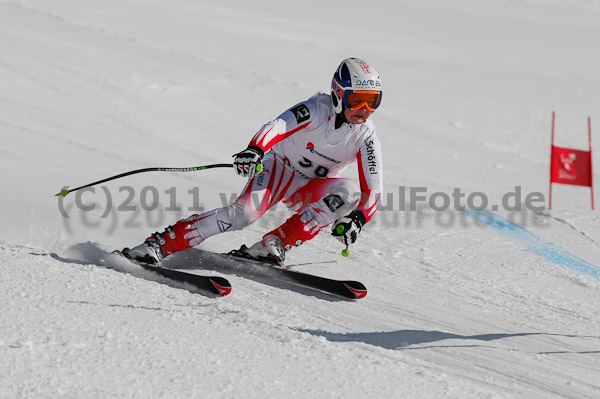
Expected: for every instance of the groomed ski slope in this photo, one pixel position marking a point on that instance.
(461, 304)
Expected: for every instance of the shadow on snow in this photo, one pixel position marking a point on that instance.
(404, 339)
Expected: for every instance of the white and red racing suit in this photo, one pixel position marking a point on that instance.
(305, 155)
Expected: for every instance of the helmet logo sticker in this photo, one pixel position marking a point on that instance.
(365, 67)
(369, 83)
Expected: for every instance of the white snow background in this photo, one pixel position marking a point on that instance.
(460, 304)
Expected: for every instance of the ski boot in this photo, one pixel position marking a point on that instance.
(149, 252)
(269, 249)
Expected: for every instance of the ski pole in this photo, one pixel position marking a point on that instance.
(65, 191)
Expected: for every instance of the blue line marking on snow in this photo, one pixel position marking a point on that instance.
(535, 244)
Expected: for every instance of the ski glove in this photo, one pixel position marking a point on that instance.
(248, 162)
(346, 229)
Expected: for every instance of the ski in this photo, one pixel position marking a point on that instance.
(345, 288)
(215, 284)
(350, 289)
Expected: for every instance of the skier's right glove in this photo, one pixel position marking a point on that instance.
(346, 229)
(248, 162)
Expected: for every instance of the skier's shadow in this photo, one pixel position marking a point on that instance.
(404, 339)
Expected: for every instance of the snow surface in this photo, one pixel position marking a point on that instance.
(460, 304)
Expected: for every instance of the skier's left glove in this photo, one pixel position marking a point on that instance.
(346, 229)
(248, 162)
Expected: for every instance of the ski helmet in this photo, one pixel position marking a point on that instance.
(355, 84)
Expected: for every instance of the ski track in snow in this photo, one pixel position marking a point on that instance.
(459, 306)
(375, 345)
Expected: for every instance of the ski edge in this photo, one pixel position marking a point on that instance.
(345, 288)
(214, 284)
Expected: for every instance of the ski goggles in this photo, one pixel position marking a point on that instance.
(356, 99)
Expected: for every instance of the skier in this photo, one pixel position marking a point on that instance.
(298, 158)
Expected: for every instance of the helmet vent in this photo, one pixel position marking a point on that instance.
(345, 73)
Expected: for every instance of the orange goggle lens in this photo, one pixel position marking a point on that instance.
(358, 99)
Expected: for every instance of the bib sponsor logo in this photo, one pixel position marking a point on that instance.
(311, 147)
(371, 159)
(301, 113)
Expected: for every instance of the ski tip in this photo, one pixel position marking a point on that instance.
(222, 286)
(63, 193)
(358, 290)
